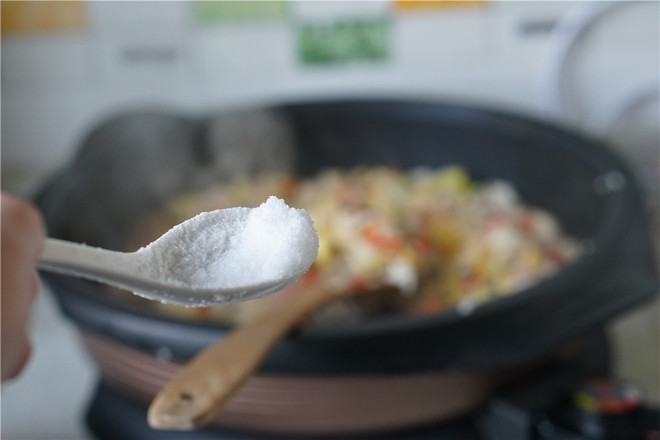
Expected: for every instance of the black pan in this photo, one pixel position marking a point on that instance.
(132, 164)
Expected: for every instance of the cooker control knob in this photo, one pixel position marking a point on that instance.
(607, 409)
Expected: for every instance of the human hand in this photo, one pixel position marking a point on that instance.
(22, 238)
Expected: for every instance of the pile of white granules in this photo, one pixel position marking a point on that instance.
(234, 247)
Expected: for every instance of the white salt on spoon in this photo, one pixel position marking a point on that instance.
(216, 257)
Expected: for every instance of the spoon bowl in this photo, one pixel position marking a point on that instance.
(218, 257)
(122, 269)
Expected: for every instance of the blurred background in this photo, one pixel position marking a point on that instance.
(592, 66)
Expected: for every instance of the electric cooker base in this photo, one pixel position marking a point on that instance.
(112, 416)
(536, 407)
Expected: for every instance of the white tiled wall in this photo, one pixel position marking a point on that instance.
(55, 85)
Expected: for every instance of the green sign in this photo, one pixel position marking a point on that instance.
(210, 12)
(343, 41)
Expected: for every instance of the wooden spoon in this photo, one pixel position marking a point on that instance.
(192, 398)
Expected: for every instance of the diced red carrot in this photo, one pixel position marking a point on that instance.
(380, 241)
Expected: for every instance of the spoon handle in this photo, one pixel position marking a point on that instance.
(197, 392)
(89, 262)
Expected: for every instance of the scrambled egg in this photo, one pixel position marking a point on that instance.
(442, 239)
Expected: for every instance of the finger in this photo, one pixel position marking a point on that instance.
(15, 359)
(22, 224)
